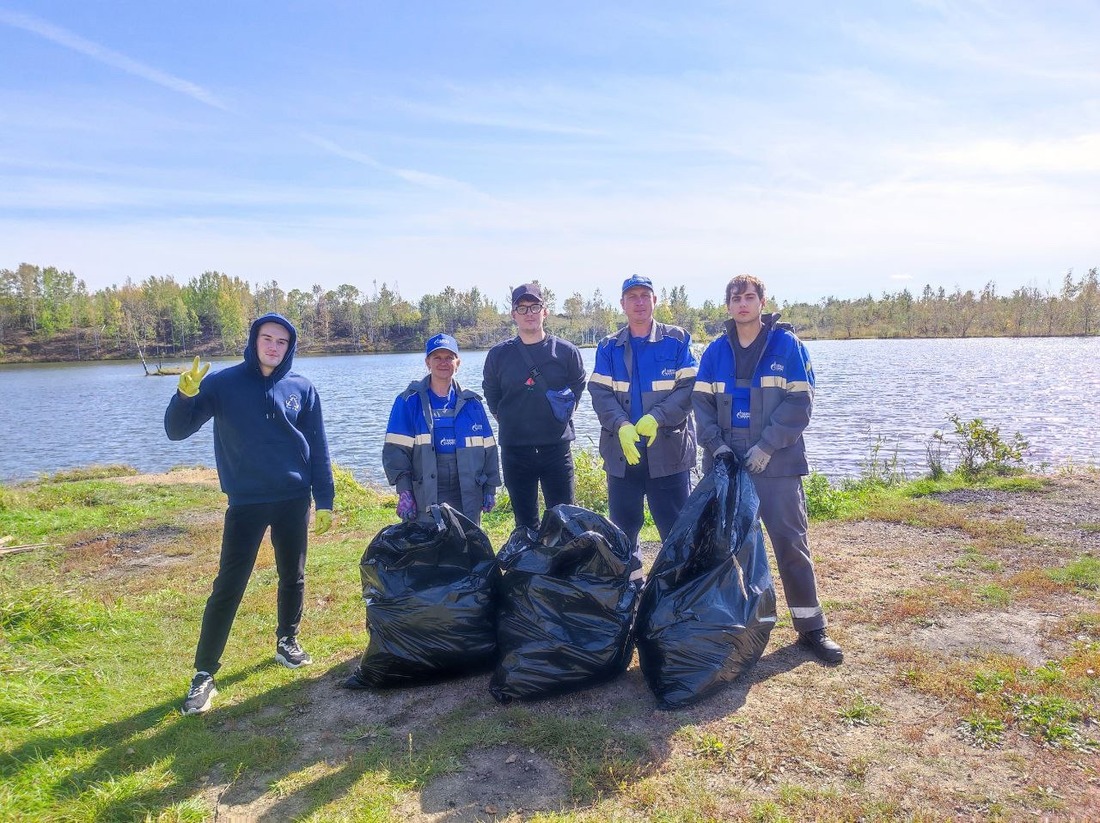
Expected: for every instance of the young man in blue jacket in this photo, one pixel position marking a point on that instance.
(754, 395)
(272, 454)
(641, 390)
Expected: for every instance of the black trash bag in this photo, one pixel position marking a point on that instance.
(566, 606)
(430, 590)
(708, 605)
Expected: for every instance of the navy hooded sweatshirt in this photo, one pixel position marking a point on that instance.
(269, 435)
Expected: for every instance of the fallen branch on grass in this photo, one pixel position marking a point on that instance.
(20, 549)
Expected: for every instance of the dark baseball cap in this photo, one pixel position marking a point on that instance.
(441, 341)
(637, 280)
(528, 291)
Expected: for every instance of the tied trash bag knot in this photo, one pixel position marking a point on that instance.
(566, 606)
(430, 591)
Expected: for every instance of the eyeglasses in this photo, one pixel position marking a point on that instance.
(529, 308)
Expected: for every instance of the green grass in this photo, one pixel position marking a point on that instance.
(95, 659)
(1083, 573)
(859, 712)
(993, 594)
(61, 507)
(983, 731)
(884, 495)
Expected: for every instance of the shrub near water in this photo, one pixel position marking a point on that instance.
(980, 448)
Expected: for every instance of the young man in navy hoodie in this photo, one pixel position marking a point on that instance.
(272, 454)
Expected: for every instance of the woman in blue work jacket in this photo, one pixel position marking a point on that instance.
(439, 445)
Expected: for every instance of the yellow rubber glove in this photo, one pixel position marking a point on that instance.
(190, 379)
(322, 521)
(647, 428)
(628, 436)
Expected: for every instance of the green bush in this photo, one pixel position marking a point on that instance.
(980, 448)
(881, 469)
(591, 481)
(823, 502)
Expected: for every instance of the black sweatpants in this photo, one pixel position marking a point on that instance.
(244, 530)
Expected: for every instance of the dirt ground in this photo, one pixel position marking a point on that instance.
(781, 722)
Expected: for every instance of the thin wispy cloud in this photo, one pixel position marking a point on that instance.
(463, 109)
(412, 176)
(109, 57)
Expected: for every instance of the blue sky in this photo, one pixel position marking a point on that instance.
(831, 149)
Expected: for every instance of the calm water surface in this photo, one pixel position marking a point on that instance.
(66, 415)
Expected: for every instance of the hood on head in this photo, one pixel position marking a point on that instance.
(250, 355)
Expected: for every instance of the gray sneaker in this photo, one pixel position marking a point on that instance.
(200, 695)
(290, 654)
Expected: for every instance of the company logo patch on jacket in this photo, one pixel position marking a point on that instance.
(293, 403)
(476, 427)
(777, 366)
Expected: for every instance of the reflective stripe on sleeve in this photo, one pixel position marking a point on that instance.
(793, 386)
(602, 379)
(400, 440)
(484, 442)
(709, 388)
(607, 381)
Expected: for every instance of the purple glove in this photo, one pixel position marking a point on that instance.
(406, 505)
(489, 501)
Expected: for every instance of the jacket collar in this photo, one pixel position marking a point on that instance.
(769, 321)
(656, 332)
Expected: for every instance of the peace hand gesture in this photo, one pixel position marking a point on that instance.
(190, 379)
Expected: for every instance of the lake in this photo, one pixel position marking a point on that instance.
(60, 416)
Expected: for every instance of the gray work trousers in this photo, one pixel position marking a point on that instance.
(783, 512)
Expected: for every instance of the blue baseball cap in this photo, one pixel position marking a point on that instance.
(637, 280)
(441, 341)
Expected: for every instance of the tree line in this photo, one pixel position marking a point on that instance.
(46, 313)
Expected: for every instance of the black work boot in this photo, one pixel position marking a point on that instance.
(824, 647)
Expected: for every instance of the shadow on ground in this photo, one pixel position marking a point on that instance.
(444, 752)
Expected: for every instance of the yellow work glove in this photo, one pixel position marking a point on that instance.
(190, 379)
(647, 428)
(628, 436)
(322, 521)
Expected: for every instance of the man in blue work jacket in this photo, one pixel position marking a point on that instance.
(641, 390)
(754, 396)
